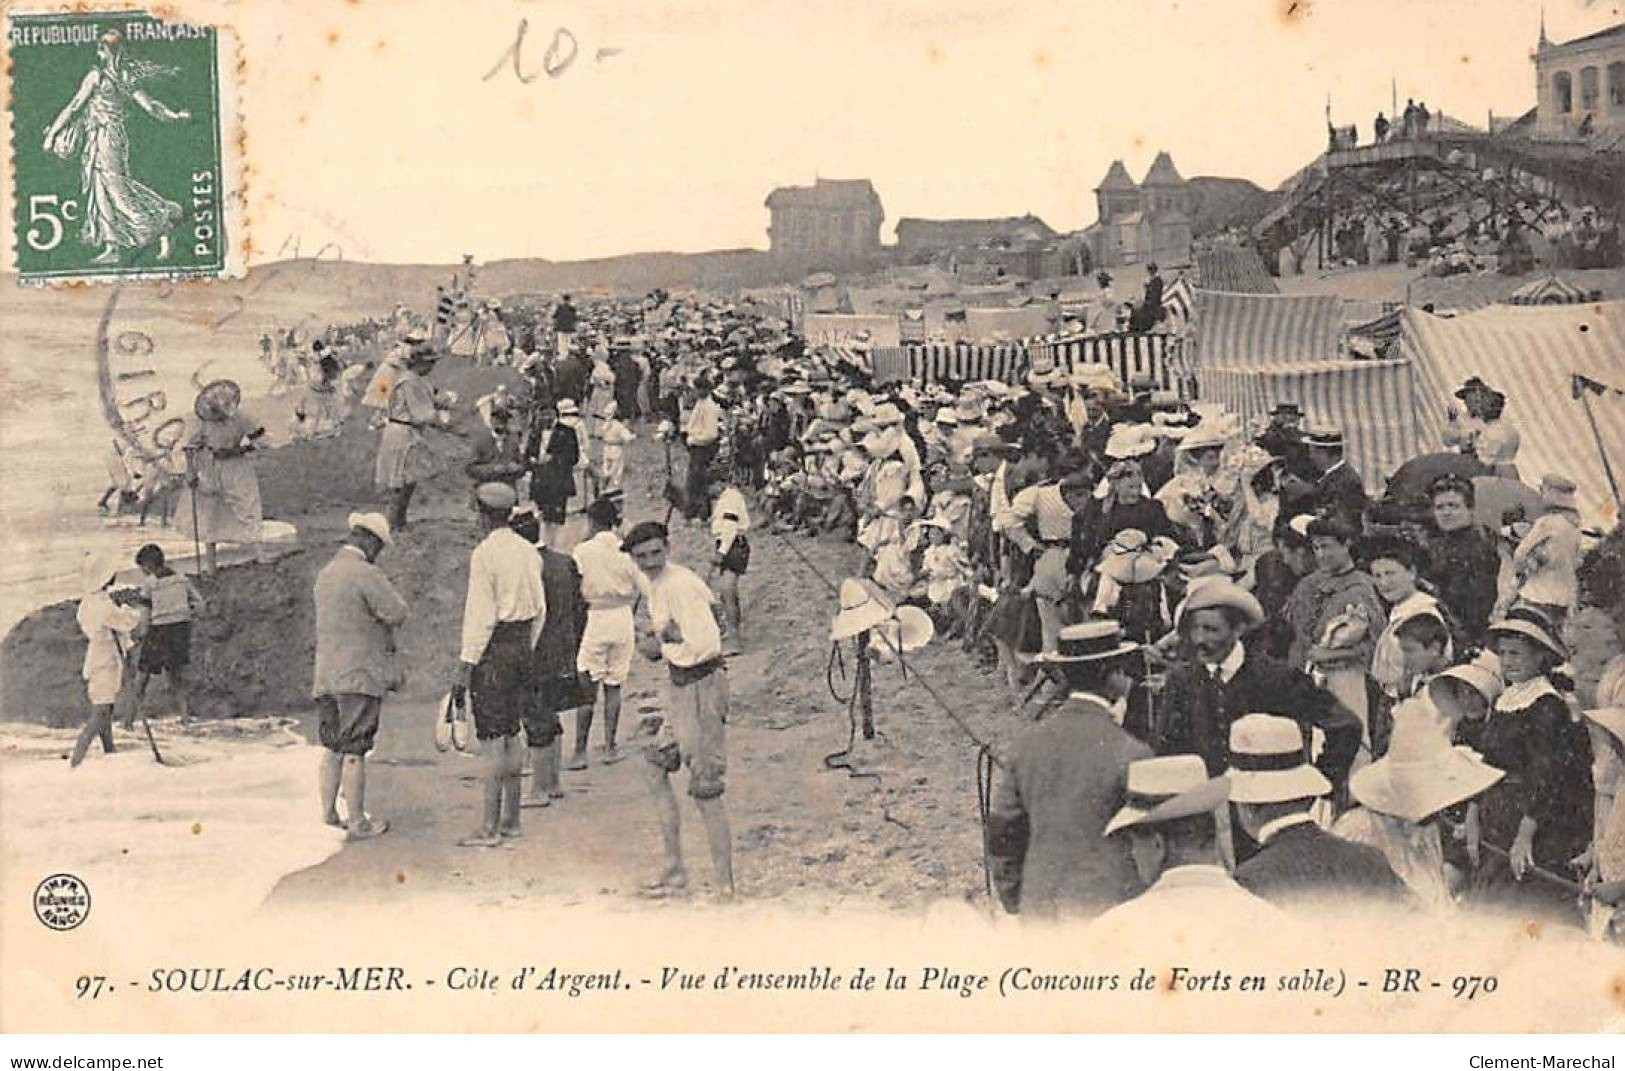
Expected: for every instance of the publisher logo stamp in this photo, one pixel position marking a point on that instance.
(116, 146)
(62, 901)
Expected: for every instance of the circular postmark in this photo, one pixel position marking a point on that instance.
(62, 901)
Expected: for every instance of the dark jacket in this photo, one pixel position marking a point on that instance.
(1304, 862)
(1062, 780)
(1343, 492)
(570, 378)
(552, 481)
(1463, 566)
(566, 618)
(1195, 710)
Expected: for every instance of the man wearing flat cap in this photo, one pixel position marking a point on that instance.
(1061, 780)
(357, 613)
(1272, 789)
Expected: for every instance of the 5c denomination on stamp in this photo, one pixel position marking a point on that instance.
(122, 146)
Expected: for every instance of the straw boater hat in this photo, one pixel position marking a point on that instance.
(1267, 763)
(1531, 625)
(968, 408)
(568, 407)
(376, 523)
(1165, 788)
(1324, 434)
(947, 416)
(1215, 592)
(1089, 641)
(1421, 774)
(887, 414)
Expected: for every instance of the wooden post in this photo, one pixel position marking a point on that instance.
(1602, 450)
(861, 681)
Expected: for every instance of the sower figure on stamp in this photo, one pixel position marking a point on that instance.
(684, 632)
(120, 213)
(502, 619)
(357, 613)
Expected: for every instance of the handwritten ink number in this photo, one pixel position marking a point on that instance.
(134, 343)
(561, 53)
(89, 986)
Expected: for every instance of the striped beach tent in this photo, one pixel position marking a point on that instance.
(1179, 303)
(1241, 330)
(1531, 354)
(1372, 401)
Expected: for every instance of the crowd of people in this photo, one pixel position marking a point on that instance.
(1228, 667)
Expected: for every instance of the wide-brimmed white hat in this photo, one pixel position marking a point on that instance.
(887, 414)
(1202, 437)
(1268, 763)
(1165, 788)
(1611, 719)
(1216, 591)
(98, 568)
(1482, 674)
(1130, 440)
(1533, 626)
(863, 606)
(1421, 774)
(1131, 558)
(376, 523)
(908, 629)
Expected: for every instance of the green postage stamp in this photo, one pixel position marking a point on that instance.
(123, 147)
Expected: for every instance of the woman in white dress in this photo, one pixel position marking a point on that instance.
(222, 489)
(119, 212)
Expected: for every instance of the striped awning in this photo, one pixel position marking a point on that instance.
(963, 363)
(1548, 291)
(1372, 401)
(1531, 354)
(1236, 270)
(1245, 330)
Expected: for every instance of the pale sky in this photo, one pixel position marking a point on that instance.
(369, 124)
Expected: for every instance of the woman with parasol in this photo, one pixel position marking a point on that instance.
(222, 489)
(120, 213)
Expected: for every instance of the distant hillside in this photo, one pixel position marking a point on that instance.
(1218, 203)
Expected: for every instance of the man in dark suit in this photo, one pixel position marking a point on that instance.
(1221, 681)
(1273, 789)
(1061, 781)
(1339, 491)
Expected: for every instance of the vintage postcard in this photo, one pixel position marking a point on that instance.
(900, 517)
